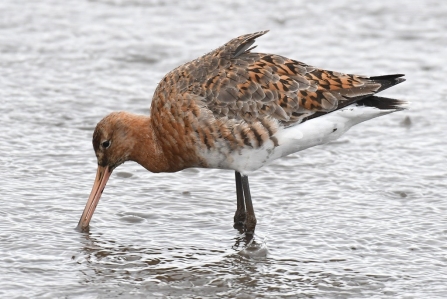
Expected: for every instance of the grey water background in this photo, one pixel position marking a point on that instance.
(362, 217)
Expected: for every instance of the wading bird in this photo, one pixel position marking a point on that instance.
(235, 109)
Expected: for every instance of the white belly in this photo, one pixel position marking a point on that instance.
(313, 132)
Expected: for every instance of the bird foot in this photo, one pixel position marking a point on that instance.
(244, 223)
(239, 219)
(250, 225)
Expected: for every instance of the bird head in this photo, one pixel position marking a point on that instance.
(112, 144)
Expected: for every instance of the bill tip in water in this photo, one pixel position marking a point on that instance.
(82, 229)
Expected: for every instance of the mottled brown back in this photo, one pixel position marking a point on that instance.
(231, 86)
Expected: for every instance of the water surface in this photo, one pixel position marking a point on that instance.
(362, 217)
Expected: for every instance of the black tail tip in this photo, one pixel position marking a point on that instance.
(387, 81)
(388, 77)
(384, 103)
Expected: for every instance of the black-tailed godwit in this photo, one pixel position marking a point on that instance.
(235, 109)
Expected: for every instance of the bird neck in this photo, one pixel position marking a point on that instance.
(146, 150)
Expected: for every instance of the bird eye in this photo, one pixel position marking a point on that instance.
(106, 144)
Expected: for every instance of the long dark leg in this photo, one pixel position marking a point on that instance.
(250, 220)
(240, 215)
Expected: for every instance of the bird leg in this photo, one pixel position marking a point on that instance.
(244, 218)
(240, 215)
(250, 219)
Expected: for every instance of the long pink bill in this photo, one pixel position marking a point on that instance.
(102, 176)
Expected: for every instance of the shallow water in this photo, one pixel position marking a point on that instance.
(362, 217)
